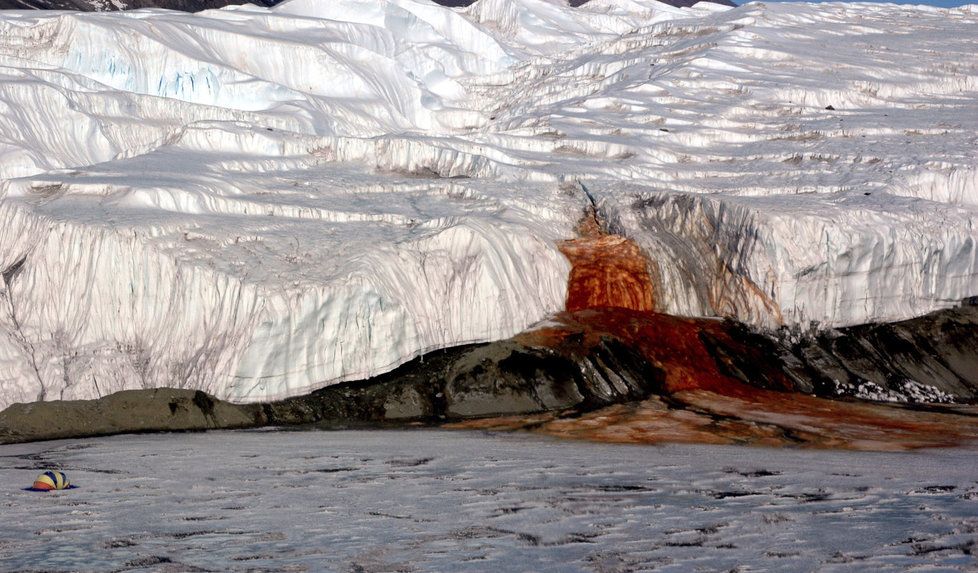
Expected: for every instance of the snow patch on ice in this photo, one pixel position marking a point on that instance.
(903, 391)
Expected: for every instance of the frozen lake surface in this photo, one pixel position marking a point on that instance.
(455, 501)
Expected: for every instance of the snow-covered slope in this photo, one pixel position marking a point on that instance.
(198, 5)
(259, 202)
(111, 5)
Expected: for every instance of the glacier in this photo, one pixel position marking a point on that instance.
(261, 202)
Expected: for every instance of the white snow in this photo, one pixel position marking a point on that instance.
(440, 501)
(260, 202)
(910, 391)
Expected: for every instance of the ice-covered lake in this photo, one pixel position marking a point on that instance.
(462, 501)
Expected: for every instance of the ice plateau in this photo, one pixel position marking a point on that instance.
(258, 202)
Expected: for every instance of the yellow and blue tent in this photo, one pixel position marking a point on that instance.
(51, 480)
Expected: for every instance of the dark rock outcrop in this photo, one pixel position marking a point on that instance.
(498, 379)
(163, 409)
(933, 358)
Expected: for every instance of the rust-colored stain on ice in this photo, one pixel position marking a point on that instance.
(606, 271)
(610, 295)
(700, 403)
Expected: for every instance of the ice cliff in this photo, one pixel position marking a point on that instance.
(260, 202)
